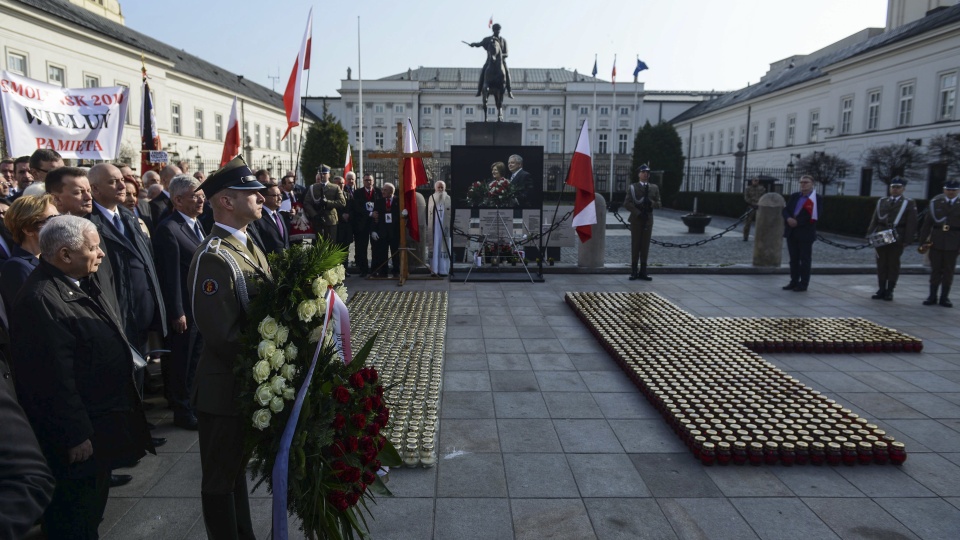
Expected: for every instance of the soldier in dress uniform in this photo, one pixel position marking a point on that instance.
(941, 230)
(642, 198)
(752, 196)
(323, 203)
(225, 274)
(898, 213)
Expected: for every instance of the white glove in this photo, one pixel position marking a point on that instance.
(404, 213)
(375, 236)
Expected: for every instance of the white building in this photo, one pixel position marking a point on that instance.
(84, 43)
(877, 87)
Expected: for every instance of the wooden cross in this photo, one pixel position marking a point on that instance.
(720, 396)
(399, 155)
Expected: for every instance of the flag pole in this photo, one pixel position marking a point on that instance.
(613, 127)
(593, 142)
(360, 95)
(303, 106)
(636, 97)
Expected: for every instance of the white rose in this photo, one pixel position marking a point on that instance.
(341, 273)
(282, 334)
(276, 360)
(315, 335)
(291, 352)
(261, 419)
(268, 327)
(265, 349)
(306, 310)
(341, 291)
(320, 286)
(331, 276)
(264, 394)
(289, 393)
(277, 383)
(276, 404)
(261, 371)
(288, 371)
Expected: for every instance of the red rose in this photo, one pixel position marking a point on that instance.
(352, 444)
(369, 456)
(366, 443)
(356, 380)
(359, 420)
(375, 465)
(337, 448)
(369, 477)
(367, 404)
(374, 429)
(383, 418)
(350, 475)
(339, 421)
(352, 498)
(341, 394)
(374, 376)
(379, 390)
(339, 500)
(381, 442)
(377, 402)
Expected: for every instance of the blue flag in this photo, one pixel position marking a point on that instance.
(594, 72)
(640, 67)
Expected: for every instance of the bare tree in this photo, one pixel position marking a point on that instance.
(824, 168)
(894, 160)
(945, 149)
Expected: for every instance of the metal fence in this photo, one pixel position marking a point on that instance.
(725, 180)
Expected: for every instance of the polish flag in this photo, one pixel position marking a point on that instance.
(348, 163)
(291, 96)
(231, 142)
(414, 174)
(580, 176)
(490, 24)
(613, 76)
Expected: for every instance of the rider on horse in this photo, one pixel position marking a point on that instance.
(490, 44)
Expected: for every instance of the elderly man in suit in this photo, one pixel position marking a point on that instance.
(174, 242)
(223, 276)
(941, 230)
(160, 206)
(273, 227)
(800, 217)
(74, 376)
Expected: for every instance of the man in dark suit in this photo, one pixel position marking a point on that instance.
(290, 189)
(364, 204)
(519, 179)
(386, 232)
(74, 376)
(800, 217)
(223, 275)
(130, 254)
(941, 230)
(174, 242)
(160, 206)
(273, 227)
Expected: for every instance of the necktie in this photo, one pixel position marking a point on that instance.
(119, 224)
(276, 218)
(389, 204)
(197, 230)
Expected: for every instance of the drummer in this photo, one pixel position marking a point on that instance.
(892, 228)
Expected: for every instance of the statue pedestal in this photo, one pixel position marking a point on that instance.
(494, 134)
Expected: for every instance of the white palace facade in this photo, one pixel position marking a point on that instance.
(881, 86)
(85, 43)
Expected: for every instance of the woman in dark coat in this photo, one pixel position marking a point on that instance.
(73, 369)
(24, 219)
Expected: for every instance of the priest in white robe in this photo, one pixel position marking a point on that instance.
(439, 208)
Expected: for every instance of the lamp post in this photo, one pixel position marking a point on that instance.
(791, 167)
(915, 142)
(718, 171)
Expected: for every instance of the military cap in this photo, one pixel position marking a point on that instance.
(644, 168)
(898, 181)
(323, 169)
(233, 175)
(952, 184)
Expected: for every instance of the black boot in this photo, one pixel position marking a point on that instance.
(881, 292)
(889, 293)
(932, 299)
(219, 516)
(643, 273)
(944, 294)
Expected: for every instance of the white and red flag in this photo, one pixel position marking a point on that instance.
(348, 163)
(580, 176)
(414, 174)
(149, 138)
(613, 76)
(231, 141)
(490, 24)
(291, 96)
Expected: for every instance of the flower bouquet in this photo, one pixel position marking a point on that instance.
(337, 448)
(476, 194)
(498, 193)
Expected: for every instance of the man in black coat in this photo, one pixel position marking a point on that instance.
(800, 217)
(74, 377)
(160, 206)
(273, 227)
(364, 203)
(174, 242)
(130, 254)
(386, 232)
(519, 179)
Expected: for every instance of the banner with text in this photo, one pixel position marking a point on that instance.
(79, 123)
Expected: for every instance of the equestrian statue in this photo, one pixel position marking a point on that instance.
(495, 76)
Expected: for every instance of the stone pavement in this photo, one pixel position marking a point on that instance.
(542, 435)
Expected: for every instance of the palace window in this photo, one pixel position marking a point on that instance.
(17, 63)
(846, 115)
(175, 118)
(873, 110)
(198, 121)
(905, 105)
(947, 99)
(55, 75)
(218, 126)
(791, 129)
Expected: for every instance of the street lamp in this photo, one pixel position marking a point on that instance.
(790, 166)
(915, 142)
(719, 172)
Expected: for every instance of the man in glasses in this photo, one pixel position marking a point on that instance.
(42, 161)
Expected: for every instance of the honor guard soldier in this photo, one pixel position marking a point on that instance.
(225, 275)
(895, 222)
(752, 197)
(941, 235)
(642, 198)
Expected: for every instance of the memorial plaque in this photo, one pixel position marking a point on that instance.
(461, 220)
(564, 235)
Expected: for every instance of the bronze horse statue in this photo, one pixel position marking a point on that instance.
(494, 79)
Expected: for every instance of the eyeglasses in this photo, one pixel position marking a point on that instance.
(42, 222)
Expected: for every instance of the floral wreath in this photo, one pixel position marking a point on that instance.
(338, 447)
(500, 192)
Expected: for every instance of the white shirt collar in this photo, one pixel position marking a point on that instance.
(106, 211)
(239, 235)
(190, 221)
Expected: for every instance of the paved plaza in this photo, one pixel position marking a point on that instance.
(543, 436)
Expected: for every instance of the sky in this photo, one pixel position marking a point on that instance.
(687, 44)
